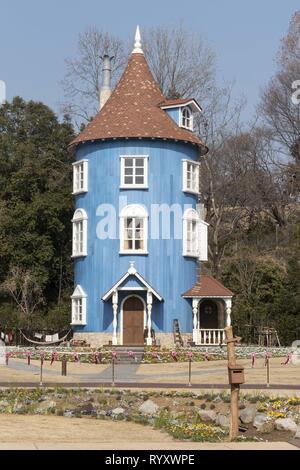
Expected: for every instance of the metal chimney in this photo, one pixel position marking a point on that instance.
(105, 91)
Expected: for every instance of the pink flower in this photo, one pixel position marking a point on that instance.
(97, 358)
(206, 356)
(189, 355)
(155, 355)
(131, 354)
(75, 357)
(114, 354)
(54, 356)
(28, 355)
(267, 357)
(7, 356)
(42, 357)
(287, 359)
(174, 355)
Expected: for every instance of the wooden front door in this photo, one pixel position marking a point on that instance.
(209, 315)
(133, 322)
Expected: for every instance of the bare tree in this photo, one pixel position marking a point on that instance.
(280, 114)
(217, 126)
(23, 288)
(182, 63)
(82, 81)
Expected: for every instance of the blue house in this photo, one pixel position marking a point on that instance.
(138, 233)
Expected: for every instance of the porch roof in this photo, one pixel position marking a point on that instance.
(132, 272)
(208, 286)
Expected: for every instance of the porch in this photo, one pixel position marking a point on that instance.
(132, 301)
(211, 310)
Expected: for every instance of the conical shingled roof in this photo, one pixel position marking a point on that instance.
(133, 111)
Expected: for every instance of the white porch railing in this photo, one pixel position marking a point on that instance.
(210, 337)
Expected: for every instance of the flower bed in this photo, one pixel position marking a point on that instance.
(152, 355)
(178, 413)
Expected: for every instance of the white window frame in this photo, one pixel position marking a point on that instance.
(79, 221)
(191, 216)
(82, 187)
(187, 122)
(186, 186)
(134, 211)
(134, 185)
(79, 307)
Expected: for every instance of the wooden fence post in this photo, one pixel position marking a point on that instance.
(235, 387)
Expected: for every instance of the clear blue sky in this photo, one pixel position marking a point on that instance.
(37, 35)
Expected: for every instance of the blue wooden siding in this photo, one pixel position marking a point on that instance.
(164, 268)
(174, 113)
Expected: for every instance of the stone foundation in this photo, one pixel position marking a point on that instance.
(97, 340)
(166, 340)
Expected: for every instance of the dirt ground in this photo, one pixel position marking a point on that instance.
(51, 432)
(211, 372)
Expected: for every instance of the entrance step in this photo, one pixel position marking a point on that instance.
(124, 358)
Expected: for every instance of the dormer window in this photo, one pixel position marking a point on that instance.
(187, 118)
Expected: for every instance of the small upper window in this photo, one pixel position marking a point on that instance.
(80, 177)
(134, 171)
(187, 118)
(191, 176)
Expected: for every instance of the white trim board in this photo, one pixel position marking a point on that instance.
(116, 286)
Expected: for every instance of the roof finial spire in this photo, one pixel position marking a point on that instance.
(137, 42)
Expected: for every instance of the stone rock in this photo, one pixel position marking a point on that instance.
(297, 435)
(263, 423)
(208, 416)
(69, 414)
(286, 424)
(42, 399)
(46, 405)
(118, 411)
(218, 399)
(149, 408)
(3, 404)
(247, 415)
(86, 409)
(223, 421)
(60, 395)
(28, 402)
(18, 408)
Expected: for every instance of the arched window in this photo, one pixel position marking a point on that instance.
(187, 118)
(79, 299)
(79, 233)
(133, 230)
(191, 223)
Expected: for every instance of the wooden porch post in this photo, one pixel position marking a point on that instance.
(149, 323)
(195, 320)
(228, 303)
(115, 320)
